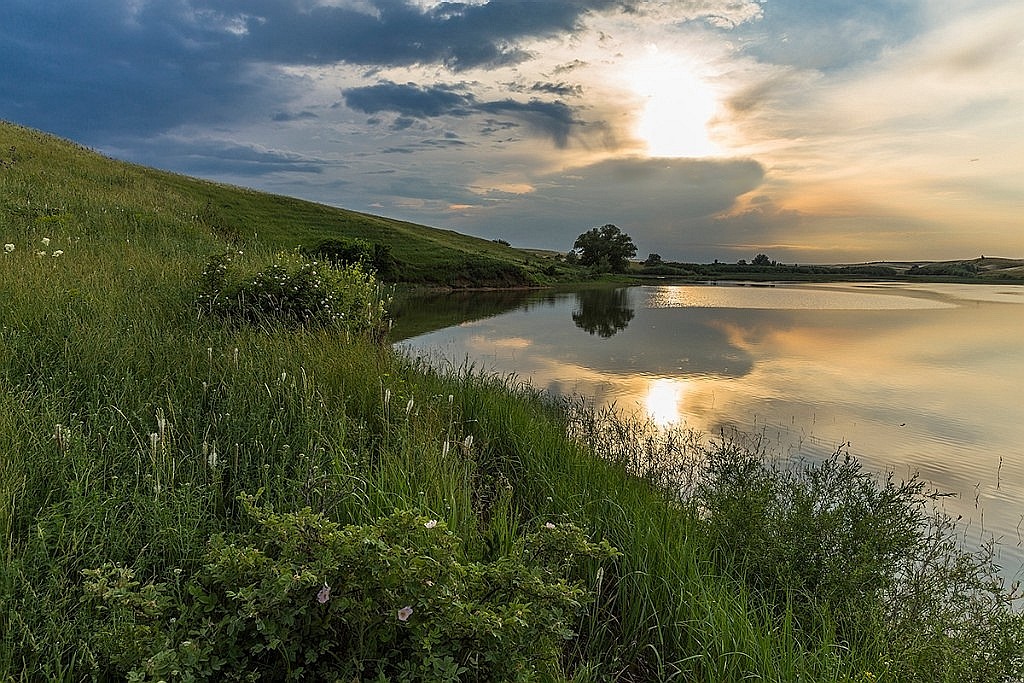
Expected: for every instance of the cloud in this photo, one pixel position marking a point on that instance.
(409, 100)
(911, 154)
(393, 33)
(554, 119)
(122, 68)
(285, 117)
(827, 36)
(207, 156)
(662, 203)
(561, 89)
(551, 119)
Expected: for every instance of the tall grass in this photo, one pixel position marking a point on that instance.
(131, 423)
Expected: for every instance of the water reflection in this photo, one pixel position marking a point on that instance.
(663, 403)
(918, 379)
(603, 311)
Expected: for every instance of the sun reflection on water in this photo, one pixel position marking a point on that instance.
(663, 401)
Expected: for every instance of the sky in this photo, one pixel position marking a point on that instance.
(814, 132)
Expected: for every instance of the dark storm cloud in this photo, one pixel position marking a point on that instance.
(552, 119)
(409, 100)
(396, 33)
(99, 70)
(92, 71)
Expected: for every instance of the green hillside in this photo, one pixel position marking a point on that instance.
(51, 182)
(217, 469)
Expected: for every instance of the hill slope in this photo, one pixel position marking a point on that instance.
(47, 181)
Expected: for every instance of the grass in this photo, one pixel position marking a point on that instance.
(131, 425)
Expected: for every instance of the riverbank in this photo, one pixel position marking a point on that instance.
(190, 491)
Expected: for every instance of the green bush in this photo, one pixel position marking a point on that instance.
(298, 596)
(831, 538)
(293, 291)
(347, 252)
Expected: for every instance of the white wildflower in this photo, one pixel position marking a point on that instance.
(46, 241)
(405, 613)
(59, 252)
(211, 454)
(431, 524)
(549, 525)
(325, 594)
(8, 247)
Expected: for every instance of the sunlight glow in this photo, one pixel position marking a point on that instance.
(678, 106)
(662, 403)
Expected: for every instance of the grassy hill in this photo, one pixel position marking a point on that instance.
(191, 496)
(54, 184)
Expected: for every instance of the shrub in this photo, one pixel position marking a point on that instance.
(831, 538)
(347, 252)
(292, 291)
(300, 597)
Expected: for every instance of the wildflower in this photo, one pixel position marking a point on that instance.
(40, 254)
(405, 613)
(59, 252)
(46, 241)
(211, 455)
(325, 594)
(8, 247)
(431, 524)
(549, 525)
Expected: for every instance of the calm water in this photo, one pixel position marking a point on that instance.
(915, 378)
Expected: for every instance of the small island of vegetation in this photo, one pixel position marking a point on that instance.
(216, 468)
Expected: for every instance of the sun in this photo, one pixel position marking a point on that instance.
(676, 106)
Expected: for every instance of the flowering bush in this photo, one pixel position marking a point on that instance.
(302, 597)
(292, 290)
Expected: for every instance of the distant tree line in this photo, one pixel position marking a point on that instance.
(761, 264)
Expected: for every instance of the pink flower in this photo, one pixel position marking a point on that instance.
(324, 595)
(405, 613)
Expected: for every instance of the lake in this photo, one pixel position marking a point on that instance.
(924, 378)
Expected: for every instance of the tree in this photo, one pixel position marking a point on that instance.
(605, 248)
(762, 260)
(653, 260)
